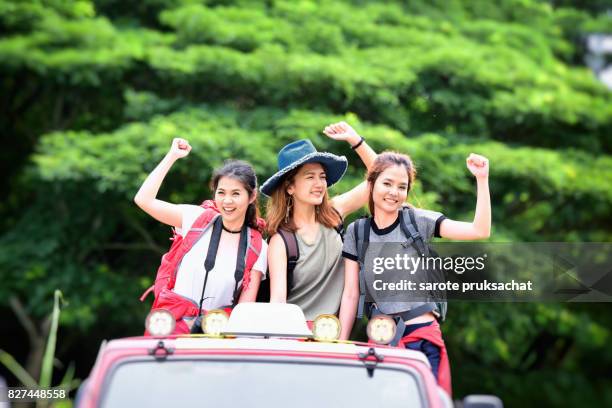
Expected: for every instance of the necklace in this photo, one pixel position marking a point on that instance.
(230, 231)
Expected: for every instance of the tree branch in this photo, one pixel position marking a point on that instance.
(27, 323)
(143, 233)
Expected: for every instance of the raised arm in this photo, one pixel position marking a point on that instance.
(277, 267)
(146, 198)
(350, 298)
(480, 228)
(357, 197)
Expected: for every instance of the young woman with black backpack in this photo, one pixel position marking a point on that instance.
(389, 181)
(301, 213)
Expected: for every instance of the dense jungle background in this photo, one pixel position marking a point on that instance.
(92, 93)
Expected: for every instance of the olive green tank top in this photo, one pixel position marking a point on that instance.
(318, 278)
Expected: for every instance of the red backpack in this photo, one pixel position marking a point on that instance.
(166, 273)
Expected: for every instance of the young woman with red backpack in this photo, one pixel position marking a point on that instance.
(218, 257)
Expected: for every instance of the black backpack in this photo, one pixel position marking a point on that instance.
(410, 230)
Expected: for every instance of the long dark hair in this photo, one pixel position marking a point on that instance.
(244, 173)
(383, 162)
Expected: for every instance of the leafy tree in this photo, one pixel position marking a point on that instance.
(92, 92)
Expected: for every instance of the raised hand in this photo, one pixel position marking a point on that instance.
(180, 148)
(342, 131)
(478, 165)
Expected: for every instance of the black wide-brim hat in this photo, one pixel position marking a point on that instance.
(301, 152)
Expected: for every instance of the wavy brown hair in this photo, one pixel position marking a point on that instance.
(383, 162)
(277, 206)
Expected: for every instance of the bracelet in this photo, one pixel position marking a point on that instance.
(358, 144)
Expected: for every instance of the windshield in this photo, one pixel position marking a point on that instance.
(266, 384)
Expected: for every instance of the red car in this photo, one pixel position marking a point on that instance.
(263, 356)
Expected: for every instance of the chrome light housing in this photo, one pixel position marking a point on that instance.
(326, 327)
(160, 322)
(381, 329)
(215, 322)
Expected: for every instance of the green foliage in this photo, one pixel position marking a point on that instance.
(411, 71)
(68, 382)
(533, 184)
(94, 91)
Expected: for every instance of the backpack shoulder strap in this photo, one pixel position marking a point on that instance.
(362, 242)
(211, 255)
(201, 223)
(340, 227)
(199, 226)
(410, 229)
(243, 244)
(247, 256)
(293, 254)
(254, 247)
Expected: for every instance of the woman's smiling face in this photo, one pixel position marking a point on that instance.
(309, 184)
(391, 189)
(232, 200)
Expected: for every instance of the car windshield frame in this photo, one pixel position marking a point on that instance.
(275, 359)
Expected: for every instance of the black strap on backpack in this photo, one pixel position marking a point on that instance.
(292, 251)
(363, 225)
(240, 263)
(410, 230)
(340, 227)
(209, 264)
(293, 255)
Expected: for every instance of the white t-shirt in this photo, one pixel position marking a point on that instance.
(220, 283)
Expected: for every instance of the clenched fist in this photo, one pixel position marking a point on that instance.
(180, 148)
(478, 165)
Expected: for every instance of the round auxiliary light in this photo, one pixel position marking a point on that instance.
(214, 322)
(326, 327)
(160, 322)
(381, 329)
